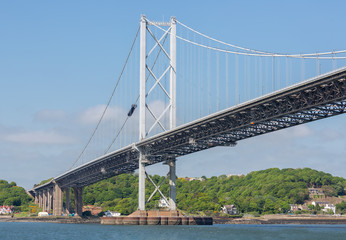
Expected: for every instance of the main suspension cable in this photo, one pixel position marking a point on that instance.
(109, 101)
(255, 52)
(261, 52)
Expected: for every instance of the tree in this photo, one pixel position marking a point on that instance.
(341, 207)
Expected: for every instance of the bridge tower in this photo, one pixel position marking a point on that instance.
(145, 72)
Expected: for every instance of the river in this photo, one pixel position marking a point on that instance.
(44, 231)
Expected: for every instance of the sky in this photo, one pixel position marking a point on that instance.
(59, 60)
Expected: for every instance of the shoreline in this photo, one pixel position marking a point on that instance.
(267, 219)
(70, 220)
(279, 219)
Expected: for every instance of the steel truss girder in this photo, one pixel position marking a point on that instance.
(321, 98)
(300, 107)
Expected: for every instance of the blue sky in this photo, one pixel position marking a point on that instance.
(60, 59)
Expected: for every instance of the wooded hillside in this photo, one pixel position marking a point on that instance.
(266, 191)
(13, 195)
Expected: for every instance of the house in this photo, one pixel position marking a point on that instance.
(294, 207)
(193, 179)
(237, 175)
(329, 206)
(321, 204)
(6, 209)
(316, 192)
(325, 206)
(230, 209)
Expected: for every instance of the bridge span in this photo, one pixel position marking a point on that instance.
(317, 98)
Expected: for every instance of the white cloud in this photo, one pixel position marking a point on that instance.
(38, 137)
(51, 115)
(92, 115)
(301, 131)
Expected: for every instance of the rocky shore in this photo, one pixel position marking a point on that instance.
(74, 220)
(283, 219)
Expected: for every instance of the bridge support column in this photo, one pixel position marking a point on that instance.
(173, 110)
(40, 199)
(67, 204)
(78, 200)
(57, 200)
(44, 207)
(141, 186)
(36, 197)
(172, 176)
(142, 109)
(173, 91)
(49, 202)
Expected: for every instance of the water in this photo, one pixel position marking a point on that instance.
(44, 231)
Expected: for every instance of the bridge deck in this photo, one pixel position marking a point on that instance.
(320, 97)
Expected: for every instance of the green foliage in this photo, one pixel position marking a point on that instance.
(11, 194)
(341, 207)
(266, 191)
(43, 182)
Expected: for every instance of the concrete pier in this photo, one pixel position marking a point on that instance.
(157, 218)
(67, 202)
(78, 200)
(57, 200)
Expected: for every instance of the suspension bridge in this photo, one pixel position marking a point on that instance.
(181, 91)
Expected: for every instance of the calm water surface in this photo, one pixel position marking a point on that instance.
(38, 231)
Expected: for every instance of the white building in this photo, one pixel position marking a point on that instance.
(325, 205)
(230, 209)
(112, 214)
(6, 210)
(163, 203)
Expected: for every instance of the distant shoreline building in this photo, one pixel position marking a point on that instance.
(237, 175)
(316, 193)
(230, 209)
(6, 210)
(325, 206)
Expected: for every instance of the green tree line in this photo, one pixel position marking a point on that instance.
(266, 191)
(13, 195)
